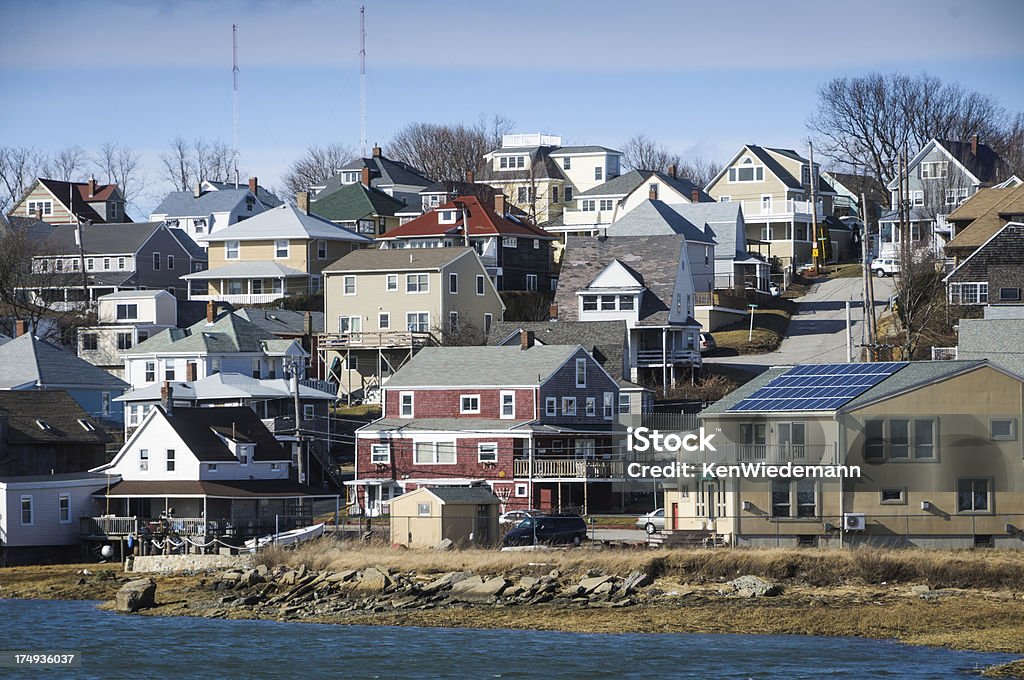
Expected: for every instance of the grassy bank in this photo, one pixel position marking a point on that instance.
(770, 324)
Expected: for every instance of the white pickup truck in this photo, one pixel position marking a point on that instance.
(882, 267)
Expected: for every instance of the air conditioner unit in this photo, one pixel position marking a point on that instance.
(853, 521)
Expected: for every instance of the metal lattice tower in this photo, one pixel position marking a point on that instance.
(362, 81)
(234, 99)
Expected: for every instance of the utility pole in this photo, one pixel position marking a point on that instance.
(81, 258)
(869, 288)
(298, 415)
(849, 335)
(362, 81)
(234, 100)
(819, 251)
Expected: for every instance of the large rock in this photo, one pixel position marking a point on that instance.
(373, 579)
(636, 579)
(443, 582)
(475, 589)
(753, 586)
(589, 585)
(136, 595)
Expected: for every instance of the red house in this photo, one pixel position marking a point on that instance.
(536, 423)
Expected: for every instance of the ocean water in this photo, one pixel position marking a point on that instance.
(111, 645)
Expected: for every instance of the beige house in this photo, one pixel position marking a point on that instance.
(774, 188)
(384, 305)
(937, 444)
(277, 253)
(58, 202)
(465, 515)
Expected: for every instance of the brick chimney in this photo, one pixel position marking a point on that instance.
(211, 311)
(20, 328)
(197, 191)
(553, 313)
(191, 371)
(974, 145)
(366, 176)
(526, 339)
(470, 176)
(302, 201)
(92, 186)
(254, 185)
(499, 203)
(695, 195)
(167, 397)
(672, 171)
(376, 151)
(652, 192)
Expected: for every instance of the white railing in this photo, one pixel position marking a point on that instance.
(944, 353)
(647, 357)
(243, 299)
(570, 468)
(779, 207)
(374, 339)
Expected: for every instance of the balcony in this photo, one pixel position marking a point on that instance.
(571, 468)
(375, 340)
(671, 357)
(123, 526)
(779, 209)
(241, 299)
(777, 454)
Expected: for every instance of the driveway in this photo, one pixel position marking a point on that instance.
(817, 332)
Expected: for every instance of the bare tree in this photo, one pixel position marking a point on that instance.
(120, 165)
(1009, 144)
(19, 168)
(699, 170)
(213, 161)
(447, 152)
(178, 164)
(316, 164)
(642, 153)
(68, 164)
(921, 298)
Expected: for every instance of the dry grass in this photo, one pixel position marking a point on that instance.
(852, 270)
(770, 324)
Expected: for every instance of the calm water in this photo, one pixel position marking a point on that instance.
(117, 646)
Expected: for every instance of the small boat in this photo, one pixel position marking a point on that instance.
(287, 537)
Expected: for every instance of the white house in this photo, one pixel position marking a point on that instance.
(212, 206)
(125, 319)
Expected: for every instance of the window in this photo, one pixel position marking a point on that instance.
(605, 204)
(281, 248)
(567, 194)
(626, 302)
(554, 194)
(522, 490)
(35, 207)
(591, 407)
(417, 322)
(199, 223)
(416, 283)
(384, 321)
(469, 403)
(746, 172)
(105, 403)
(900, 439)
(589, 303)
(391, 282)
(567, 163)
(568, 406)
(170, 262)
(350, 324)
(781, 506)
(434, 453)
(972, 495)
(380, 454)
(453, 283)
(124, 340)
(536, 244)
(243, 455)
(1009, 294)
(156, 262)
(924, 439)
(581, 373)
(348, 285)
(231, 250)
(487, 453)
(59, 265)
(598, 172)
(169, 370)
(508, 404)
(64, 508)
(446, 217)
(211, 467)
(588, 205)
(89, 342)
(531, 282)
(917, 198)
(608, 406)
(480, 284)
(75, 265)
(934, 169)
(405, 400)
(170, 460)
(150, 371)
(625, 404)
(26, 511)
(509, 242)
(488, 317)
(90, 264)
(551, 406)
(308, 412)
(273, 467)
(453, 322)
(1004, 429)
(121, 263)
(968, 293)
(894, 496)
(321, 250)
(524, 194)
(766, 204)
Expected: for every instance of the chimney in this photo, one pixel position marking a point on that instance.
(92, 186)
(191, 371)
(211, 311)
(470, 176)
(39, 214)
(695, 195)
(307, 324)
(672, 171)
(553, 312)
(302, 201)
(974, 145)
(652, 193)
(20, 328)
(254, 185)
(366, 176)
(167, 397)
(198, 190)
(499, 203)
(526, 339)
(376, 151)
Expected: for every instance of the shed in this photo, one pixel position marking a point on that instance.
(467, 515)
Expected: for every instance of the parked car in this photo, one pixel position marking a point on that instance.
(515, 516)
(707, 343)
(652, 522)
(548, 529)
(881, 267)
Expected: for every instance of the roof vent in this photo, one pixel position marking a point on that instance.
(43, 425)
(86, 425)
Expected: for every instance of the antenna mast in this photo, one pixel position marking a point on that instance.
(234, 100)
(362, 81)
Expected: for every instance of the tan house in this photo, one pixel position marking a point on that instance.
(774, 188)
(937, 444)
(465, 515)
(58, 202)
(277, 253)
(384, 305)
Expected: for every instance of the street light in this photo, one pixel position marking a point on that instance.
(750, 335)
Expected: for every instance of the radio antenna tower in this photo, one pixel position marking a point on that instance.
(234, 100)
(362, 81)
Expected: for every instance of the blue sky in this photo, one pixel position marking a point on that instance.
(701, 77)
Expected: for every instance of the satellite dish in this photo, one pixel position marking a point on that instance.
(107, 551)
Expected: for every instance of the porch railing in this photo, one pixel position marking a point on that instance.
(807, 454)
(571, 468)
(647, 357)
(107, 526)
(374, 339)
(241, 298)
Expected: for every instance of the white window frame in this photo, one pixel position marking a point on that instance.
(232, 250)
(384, 321)
(608, 405)
(31, 511)
(380, 454)
(581, 372)
(345, 281)
(591, 407)
(410, 278)
(568, 406)
(321, 249)
(625, 403)
(471, 409)
(434, 448)
(390, 282)
(308, 411)
(551, 406)
(143, 460)
(522, 490)
(62, 510)
(509, 242)
(492, 452)
(503, 395)
(481, 285)
(171, 458)
(453, 283)
(417, 324)
(402, 404)
(989, 491)
(928, 169)
(756, 172)
(531, 282)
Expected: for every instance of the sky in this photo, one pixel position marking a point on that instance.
(703, 78)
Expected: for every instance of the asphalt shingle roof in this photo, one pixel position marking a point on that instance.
(628, 183)
(998, 340)
(285, 222)
(472, 495)
(255, 269)
(248, 488)
(605, 340)
(476, 366)
(354, 201)
(27, 360)
(78, 193)
(282, 321)
(55, 408)
(441, 424)
(228, 333)
(483, 221)
(396, 259)
(225, 386)
(989, 210)
(100, 239)
(652, 218)
(198, 426)
(185, 204)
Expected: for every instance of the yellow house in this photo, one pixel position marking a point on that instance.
(465, 515)
(279, 252)
(936, 446)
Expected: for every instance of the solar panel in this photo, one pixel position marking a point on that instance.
(817, 387)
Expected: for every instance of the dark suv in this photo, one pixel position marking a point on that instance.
(548, 529)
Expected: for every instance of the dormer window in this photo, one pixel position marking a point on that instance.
(589, 303)
(250, 203)
(747, 172)
(447, 217)
(350, 177)
(511, 162)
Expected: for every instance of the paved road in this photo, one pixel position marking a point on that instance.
(817, 332)
(620, 535)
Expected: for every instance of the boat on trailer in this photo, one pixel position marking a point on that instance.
(287, 537)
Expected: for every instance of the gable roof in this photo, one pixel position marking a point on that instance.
(55, 408)
(764, 154)
(185, 203)
(396, 259)
(384, 172)
(282, 321)
(285, 222)
(984, 167)
(198, 429)
(100, 239)
(540, 166)
(623, 185)
(604, 340)
(858, 184)
(78, 194)
(652, 218)
(998, 340)
(474, 366)
(26, 360)
(268, 198)
(226, 386)
(354, 201)
(1008, 244)
(989, 210)
(483, 221)
(654, 258)
(228, 333)
(458, 495)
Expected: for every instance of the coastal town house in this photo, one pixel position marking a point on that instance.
(980, 217)
(382, 306)
(774, 188)
(937, 445)
(399, 180)
(47, 432)
(991, 275)
(124, 320)
(58, 202)
(358, 206)
(540, 431)
(211, 206)
(278, 253)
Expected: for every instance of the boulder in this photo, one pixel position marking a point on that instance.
(374, 579)
(636, 579)
(443, 582)
(262, 571)
(475, 589)
(446, 544)
(341, 576)
(753, 586)
(917, 590)
(136, 595)
(589, 585)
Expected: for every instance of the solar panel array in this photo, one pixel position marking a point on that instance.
(818, 387)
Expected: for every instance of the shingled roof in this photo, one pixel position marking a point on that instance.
(99, 239)
(199, 427)
(26, 360)
(228, 333)
(605, 340)
(472, 365)
(396, 259)
(987, 212)
(77, 193)
(62, 416)
(483, 221)
(353, 202)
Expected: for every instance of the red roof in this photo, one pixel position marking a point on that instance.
(78, 193)
(483, 221)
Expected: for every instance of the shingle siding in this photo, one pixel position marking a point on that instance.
(563, 384)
